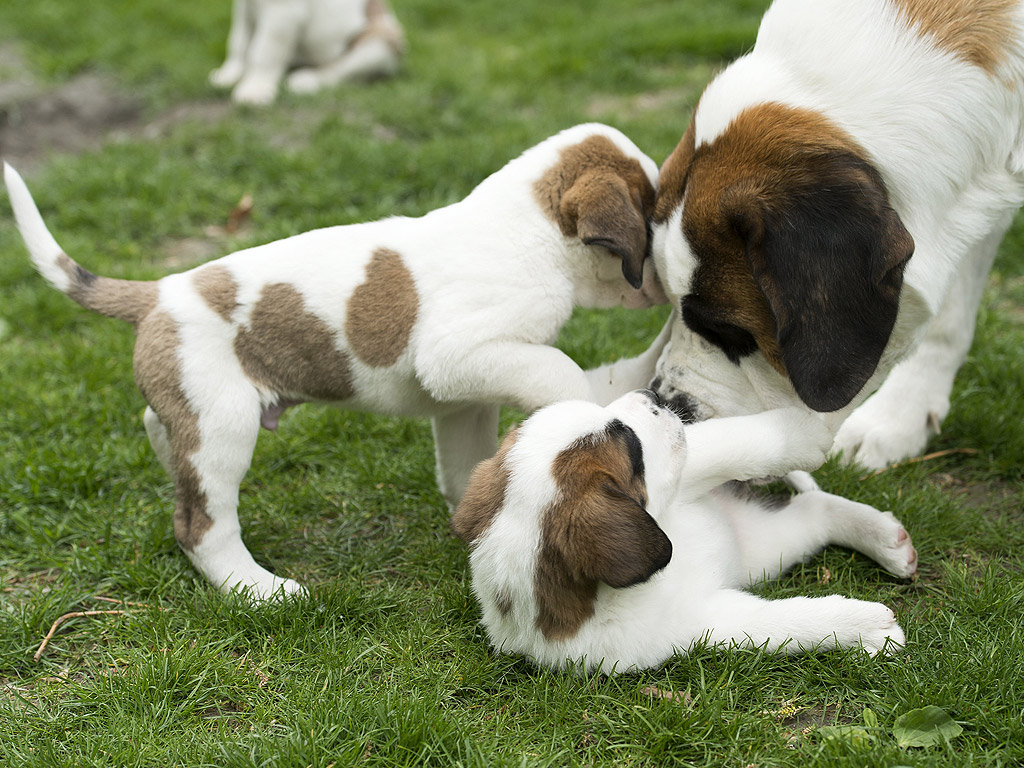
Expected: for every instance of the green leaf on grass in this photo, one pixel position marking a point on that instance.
(854, 735)
(925, 727)
(870, 718)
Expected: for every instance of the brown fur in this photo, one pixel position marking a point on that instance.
(672, 177)
(596, 530)
(129, 300)
(218, 289)
(978, 31)
(382, 311)
(380, 22)
(158, 374)
(485, 494)
(289, 349)
(600, 195)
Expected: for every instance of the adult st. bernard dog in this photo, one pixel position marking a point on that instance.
(827, 222)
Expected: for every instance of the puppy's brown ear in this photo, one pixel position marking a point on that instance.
(603, 529)
(828, 253)
(485, 494)
(601, 209)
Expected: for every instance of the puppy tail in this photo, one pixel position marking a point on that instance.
(124, 299)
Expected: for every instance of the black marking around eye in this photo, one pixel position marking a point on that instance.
(634, 448)
(734, 341)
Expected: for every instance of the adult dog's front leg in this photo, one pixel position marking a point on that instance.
(461, 440)
(772, 443)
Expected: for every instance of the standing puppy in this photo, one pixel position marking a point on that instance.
(449, 315)
(604, 536)
(327, 41)
(828, 220)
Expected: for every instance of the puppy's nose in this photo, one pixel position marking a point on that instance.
(651, 395)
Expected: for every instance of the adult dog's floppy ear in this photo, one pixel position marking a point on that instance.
(601, 209)
(828, 252)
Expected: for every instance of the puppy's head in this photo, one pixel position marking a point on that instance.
(567, 504)
(600, 189)
(776, 238)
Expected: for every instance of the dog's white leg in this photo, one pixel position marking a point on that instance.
(461, 440)
(367, 59)
(230, 72)
(773, 540)
(270, 52)
(159, 439)
(799, 624)
(527, 376)
(611, 381)
(896, 422)
(772, 443)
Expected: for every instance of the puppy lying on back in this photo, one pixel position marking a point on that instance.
(449, 316)
(329, 41)
(605, 537)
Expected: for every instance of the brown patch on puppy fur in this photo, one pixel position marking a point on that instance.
(158, 374)
(129, 300)
(485, 494)
(596, 530)
(602, 196)
(290, 350)
(218, 289)
(978, 31)
(503, 601)
(382, 311)
(798, 252)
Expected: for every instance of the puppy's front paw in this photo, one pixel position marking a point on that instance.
(304, 81)
(807, 440)
(255, 91)
(227, 75)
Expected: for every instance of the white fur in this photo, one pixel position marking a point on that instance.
(947, 139)
(495, 280)
(329, 41)
(722, 542)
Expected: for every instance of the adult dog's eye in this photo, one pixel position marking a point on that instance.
(734, 341)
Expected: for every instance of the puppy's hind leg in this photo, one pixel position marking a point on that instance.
(773, 540)
(160, 440)
(462, 439)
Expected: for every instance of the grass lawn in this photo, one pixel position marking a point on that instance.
(385, 662)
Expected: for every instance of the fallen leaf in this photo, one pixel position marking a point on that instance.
(925, 727)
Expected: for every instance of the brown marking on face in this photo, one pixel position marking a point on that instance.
(672, 177)
(218, 289)
(596, 530)
(485, 493)
(290, 350)
(799, 254)
(382, 311)
(129, 300)
(596, 192)
(158, 375)
(978, 31)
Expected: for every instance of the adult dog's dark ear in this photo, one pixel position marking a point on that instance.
(828, 253)
(607, 213)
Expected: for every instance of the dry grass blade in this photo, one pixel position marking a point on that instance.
(61, 619)
(926, 457)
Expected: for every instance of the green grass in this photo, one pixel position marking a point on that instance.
(385, 663)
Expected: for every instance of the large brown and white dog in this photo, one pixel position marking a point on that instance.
(828, 220)
(604, 536)
(326, 41)
(449, 315)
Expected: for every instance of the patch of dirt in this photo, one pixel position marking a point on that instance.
(82, 114)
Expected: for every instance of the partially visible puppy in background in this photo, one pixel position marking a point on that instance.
(607, 538)
(324, 42)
